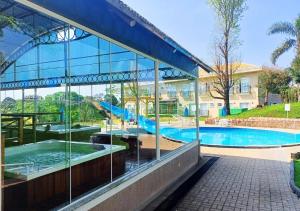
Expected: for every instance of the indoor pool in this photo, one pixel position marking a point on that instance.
(30, 161)
(233, 137)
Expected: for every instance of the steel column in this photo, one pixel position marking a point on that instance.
(197, 114)
(157, 132)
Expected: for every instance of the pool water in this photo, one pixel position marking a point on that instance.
(31, 158)
(31, 161)
(214, 136)
(235, 137)
(39, 160)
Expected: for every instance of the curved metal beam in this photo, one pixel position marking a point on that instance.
(46, 38)
(103, 78)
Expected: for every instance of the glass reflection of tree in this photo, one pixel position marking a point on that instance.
(6, 21)
(142, 94)
(17, 25)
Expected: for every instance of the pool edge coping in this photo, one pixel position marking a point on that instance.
(240, 147)
(237, 147)
(251, 147)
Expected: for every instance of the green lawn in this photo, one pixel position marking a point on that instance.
(270, 111)
(297, 172)
(202, 118)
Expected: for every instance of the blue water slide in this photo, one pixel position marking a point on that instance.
(146, 124)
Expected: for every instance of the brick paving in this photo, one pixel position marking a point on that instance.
(235, 183)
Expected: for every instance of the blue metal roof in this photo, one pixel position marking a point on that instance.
(114, 19)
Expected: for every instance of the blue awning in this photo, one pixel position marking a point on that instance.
(117, 21)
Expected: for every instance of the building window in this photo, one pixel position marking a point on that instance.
(244, 105)
(186, 92)
(245, 85)
(204, 111)
(146, 92)
(172, 93)
(203, 88)
(192, 109)
(231, 90)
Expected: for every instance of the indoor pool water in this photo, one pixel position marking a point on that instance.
(39, 160)
(30, 161)
(31, 158)
(235, 137)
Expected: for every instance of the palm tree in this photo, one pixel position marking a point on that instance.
(292, 41)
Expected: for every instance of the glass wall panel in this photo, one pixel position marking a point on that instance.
(9, 74)
(146, 110)
(177, 109)
(79, 112)
(35, 114)
(35, 143)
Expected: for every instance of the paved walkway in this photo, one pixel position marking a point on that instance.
(277, 153)
(235, 183)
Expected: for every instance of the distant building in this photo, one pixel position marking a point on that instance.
(32, 97)
(177, 96)
(244, 94)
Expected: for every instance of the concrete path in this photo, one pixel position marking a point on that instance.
(235, 183)
(279, 153)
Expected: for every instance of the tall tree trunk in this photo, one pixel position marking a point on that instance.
(266, 97)
(226, 57)
(227, 102)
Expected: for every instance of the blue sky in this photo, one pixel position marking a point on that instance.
(192, 24)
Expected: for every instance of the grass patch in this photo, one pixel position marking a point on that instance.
(202, 118)
(162, 115)
(270, 111)
(297, 172)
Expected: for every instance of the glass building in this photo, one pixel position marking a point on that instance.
(77, 123)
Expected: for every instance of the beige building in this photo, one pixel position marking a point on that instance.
(177, 97)
(245, 93)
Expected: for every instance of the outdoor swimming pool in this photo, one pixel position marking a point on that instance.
(233, 137)
(215, 136)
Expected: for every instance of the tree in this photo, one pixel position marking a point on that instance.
(111, 98)
(8, 104)
(6, 21)
(293, 40)
(274, 81)
(111, 93)
(141, 94)
(290, 95)
(295, 70)
(229, 13)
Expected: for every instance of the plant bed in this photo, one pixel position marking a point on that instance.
(295, 176)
